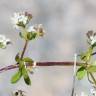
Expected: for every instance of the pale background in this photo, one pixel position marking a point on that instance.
(65, 22)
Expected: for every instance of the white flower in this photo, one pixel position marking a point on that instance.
(18, 93)
(93, 92)
(19, 19)
(23, 19)
(4, 41)
(38, 28)
(31, 29)
(93, 39)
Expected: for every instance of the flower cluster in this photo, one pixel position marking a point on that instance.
(21, 21)
(91, 37)
(37, 28)
(93, 92)
(4, 41)
(26, 64)
(88, 63)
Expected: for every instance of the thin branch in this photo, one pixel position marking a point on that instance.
(94, 80)
(89, 78)
(40, 64)
(24, 49)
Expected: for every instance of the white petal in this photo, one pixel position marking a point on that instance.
(91, 37)
(31, 29)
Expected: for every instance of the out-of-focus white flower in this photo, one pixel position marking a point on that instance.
(93, 92)
(92, 37)
(37, 28)
(18, 93)
(4, 41)
(40, 30)
(19, 19)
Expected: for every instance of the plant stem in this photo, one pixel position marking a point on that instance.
(88, 76)
(93, 78)
(42, 64)
(24, 49)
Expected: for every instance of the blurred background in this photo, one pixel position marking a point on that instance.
(66, 23)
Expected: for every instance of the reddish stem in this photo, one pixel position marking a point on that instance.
(24, 49)
(40, 64)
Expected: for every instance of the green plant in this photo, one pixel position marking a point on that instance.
(88, 64)
(27, 33)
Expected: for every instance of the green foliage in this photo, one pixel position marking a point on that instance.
(2, 46)
(87, 55)
(91, 68)
(26, 77)
(27, 59)
(31, 35)
(17, 58)
(28, 35)
(22, 72)
(81, 72)
(15, 78)
(88, 66)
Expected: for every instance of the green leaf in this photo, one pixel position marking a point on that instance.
(31, 35)
(21, 65)
(2, 45)
(26, 77)
(91, 68)
(15, 78)
(17, 58)
(81, 72)
(27, 59)
(86, 56)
